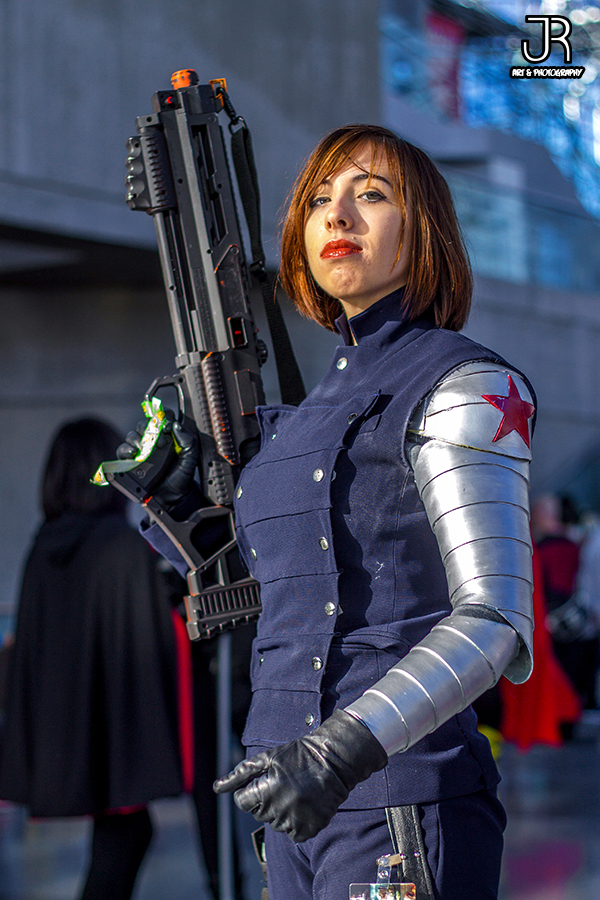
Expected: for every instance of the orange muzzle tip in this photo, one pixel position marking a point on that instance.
(184, 78)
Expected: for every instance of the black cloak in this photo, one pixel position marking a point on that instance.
(91, 716)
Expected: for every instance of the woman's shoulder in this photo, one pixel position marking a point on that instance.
(462, 342)
(460, 349)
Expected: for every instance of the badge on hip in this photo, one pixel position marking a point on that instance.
(385, 888)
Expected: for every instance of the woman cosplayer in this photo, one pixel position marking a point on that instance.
(386, 519)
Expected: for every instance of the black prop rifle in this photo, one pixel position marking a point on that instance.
(178, 172)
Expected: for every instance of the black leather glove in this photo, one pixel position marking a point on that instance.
(298, 787)
(179, 479)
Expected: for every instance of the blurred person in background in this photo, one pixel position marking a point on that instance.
(574, 630)
(588, 582)
(92, 696)
(545, 708)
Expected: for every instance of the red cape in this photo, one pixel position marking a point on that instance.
(532, 713)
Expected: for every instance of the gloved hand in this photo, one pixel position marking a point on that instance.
(298, 787)
(179, 479)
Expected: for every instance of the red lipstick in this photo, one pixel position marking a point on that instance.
(337, 249)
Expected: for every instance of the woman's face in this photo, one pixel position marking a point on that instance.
(352, 234)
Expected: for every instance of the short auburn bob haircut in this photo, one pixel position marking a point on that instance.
(439, 279)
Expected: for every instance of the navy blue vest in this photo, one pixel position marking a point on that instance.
(330, 522)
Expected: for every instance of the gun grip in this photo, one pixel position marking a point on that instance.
(139, 482)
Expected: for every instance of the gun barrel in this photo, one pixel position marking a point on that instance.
(171, 267)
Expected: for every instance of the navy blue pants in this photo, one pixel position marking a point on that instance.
(463, 837)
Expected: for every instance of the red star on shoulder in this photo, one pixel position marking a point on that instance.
(516, 412)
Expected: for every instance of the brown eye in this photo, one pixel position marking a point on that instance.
(372, 196)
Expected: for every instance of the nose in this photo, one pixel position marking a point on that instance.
(338, 215)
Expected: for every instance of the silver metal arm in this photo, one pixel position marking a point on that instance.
(468, 445)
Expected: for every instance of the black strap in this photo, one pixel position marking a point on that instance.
(291, 384)
(407, 840)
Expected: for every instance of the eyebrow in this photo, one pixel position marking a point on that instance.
(364, 176)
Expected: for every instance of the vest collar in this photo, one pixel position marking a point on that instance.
(377, 325)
